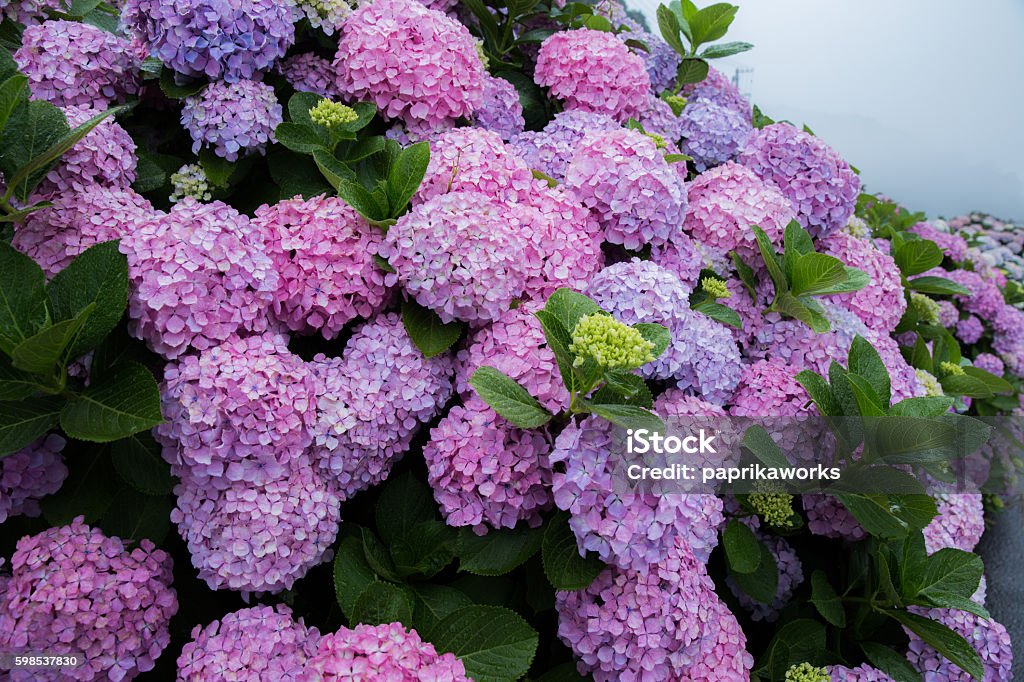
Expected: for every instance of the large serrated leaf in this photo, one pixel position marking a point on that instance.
(495, 644)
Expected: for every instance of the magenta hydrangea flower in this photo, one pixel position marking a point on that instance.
(630, 530)
(862, 673)
(70, 63)
(726, 202)
(474, 159)
(414, 63)
(198, 275)
(500, 111)
(53, 236)
(230, 40)
(990, 363)
(959, 523)
(485, 472)
(880, 304)
(515, 344)
(719, 89)
(953, 245)
(308, 72)
(816, 180)
(791, 576)
(257, 536)
(30, 474)
(550, 150)
(769, 389)
(722, 655)
(249, 645)
(72, 587)
(372, 402)
(593, 71)
(382, 653)
(324, 253)
(232, 118)
(623, 178)
(104, 157)
(988, 637)
(33, 12)
(242, 410)
(827, 516)
(713, 134)
(970, 330)
(461, 254)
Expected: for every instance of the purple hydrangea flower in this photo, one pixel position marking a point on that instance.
(485, 472)
(70, 63)
(500, 110)
(988, 637)
(990, 363)
(862, 673)
(72, 588)
(382, 653)
(661, 60)
(948, 314)
(722, 655)
(959, 523)
(198, 275)
(827, 516)
(816, 180)
(550, 150)
(249, 645)
(33, 12)
(414, 63)
(308, 72)
(623, 177)
(713, 133)
(30, 474)
(953, 245)
(970, 330)
(658, 118)
(880, 304)
(717, 88)
(104, 157)
(221, 39)
(324, 253)
(233, 118)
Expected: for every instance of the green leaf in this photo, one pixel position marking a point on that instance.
(725, 50)
(947, 572)
(88, 491)
(559, 340)
(427, 331)
(668, 24)
(434, 602)
(22, 297)
(963, 384)
(14, 384)
(656, 334)
(296, 174)
(890, 662)
(865, 362)
(120, 405)
(358, 197)
(405, 176)
(876, 512)
(377, 555)
(917, 256)
(868, 401)
(217, 169)
(596, 22)
(771, 260)
(796, 240)
(625, 388)
(381, 602)
(564, 566)
(30, 130)
(352, 573)
(97, 277)
(495, 644)
(855, 281)
(920, 357)
(816, 272)
(691, 71)
(24, 421)
(712, 22)
(508, 398)
(795, 642)
(404, 503)
(499, 552)
(944, 640)
(762, 583)
(13, 93)
(41, 353)
(925, 406)
(742, 548)
(628, 416)
(425, 550)
(336, 172)
(820, 392)
(720, 313)
(170, 86)
(299, 105)
(299, 137)
(937, 286)
(825, 599)
(746, 274)
(568, 306)
(138, 462)
(992, 382)
(134, 516)
(763, 446)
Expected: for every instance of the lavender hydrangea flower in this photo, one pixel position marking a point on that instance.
(71, 587)
(959, 523)
(722, 655)
(379, 653)
(308, 72)
(661, 60)
(232, 118)
(104, 157)
(414, 63)
(817, 181)
(593, 71)
(970, 330)
(988, 637)
(718, 89)
(990, 363)
(827, 516)
(550, 150)
(221, 39)
(952, 245)
(880, 304)
(500, 111)
(70, 63)
(249, 645)
(198, 275)
(713, 133)
(862, 673)
(659, 119)
(324, 254)
(257, 536)
(623, 177)
(485, 472)
(30, 474)
(33, 12)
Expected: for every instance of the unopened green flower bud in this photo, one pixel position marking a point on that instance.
(715, 288)
(332, 114)
(857, 228)
(929, 383)
(677, 103)
(659, 141)
(926, 308)
(190, 181)
(610, 343)
(805, 672)
(951, 368)
(775, 507)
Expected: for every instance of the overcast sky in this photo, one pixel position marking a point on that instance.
(926, 97)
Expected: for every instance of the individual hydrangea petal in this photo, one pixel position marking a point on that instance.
(713, 134)
(230, 40)
(249, 645)
(880, 304)
(988, 637)
(324, 253)
(382, 653)
(104, 157)
(198, 275)
(54, 236)
(550, 150)
(30, 474)
(500, 111)
(820, 185)
(72, 587)
(233, 119)
(623, 178)
(414, 63)
(485, 472)
(373, 401)
(593, 71)
(69, 63)
(257, 536)
(308, 72)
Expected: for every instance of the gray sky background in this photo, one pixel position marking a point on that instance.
(925, 97)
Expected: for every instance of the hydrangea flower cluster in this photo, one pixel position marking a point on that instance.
(593, 71)
(718, 89)
(862, 673)
(308, 72)
(713, 133)
(881, 303)
(376, 653)
(550, 150)
(988, 637)
(609, 343)
(500, 111)
(70, 63)
(71, 587)
(104, 157)
(233, 119)
(29, 475)
(190, 181)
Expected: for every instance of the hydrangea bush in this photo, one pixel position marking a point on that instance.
(319, 321)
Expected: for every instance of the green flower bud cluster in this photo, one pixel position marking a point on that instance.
(715, 288)
(775, 507)
(931, 385)
(926, 308)
(659, 141)
(677, 103)
(610, 343)
(332, 114)
(951, 368)
(190, 181)
(805, 672)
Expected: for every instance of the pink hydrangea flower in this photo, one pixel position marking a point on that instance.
(593, 71)
(474, 159)
(550, 150)
(959, 523)
(104, 157)
(382, 653)
(862, 673)
(952, 245)
(722, 655)
(880, 304)
(30, 474)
